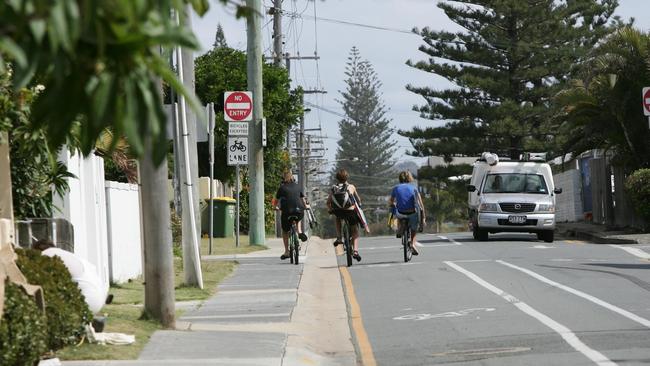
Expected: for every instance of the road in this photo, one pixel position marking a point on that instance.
(511, 301)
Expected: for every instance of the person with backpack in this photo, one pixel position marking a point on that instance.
(291, 200)
(406, 202)
(340, 202)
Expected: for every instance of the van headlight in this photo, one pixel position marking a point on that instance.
(546, 207)
(488, 207)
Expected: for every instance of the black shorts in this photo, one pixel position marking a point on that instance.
(348, 215)
(284, 219)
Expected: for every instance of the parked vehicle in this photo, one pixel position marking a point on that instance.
(512, 196)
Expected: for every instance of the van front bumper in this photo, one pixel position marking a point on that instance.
(498, 221)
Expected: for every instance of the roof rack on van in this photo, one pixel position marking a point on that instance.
(493, 159)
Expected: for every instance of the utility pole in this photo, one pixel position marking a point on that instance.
(276, 11)
(256, 157)
(190, 200)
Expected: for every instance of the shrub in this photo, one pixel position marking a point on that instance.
(23, 334)
(637, 186)
(65, 308)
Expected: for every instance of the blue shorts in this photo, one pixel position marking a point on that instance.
(412, 217)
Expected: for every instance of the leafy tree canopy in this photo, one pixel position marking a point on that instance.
(512, 58)
(98, 61)
(602, 109)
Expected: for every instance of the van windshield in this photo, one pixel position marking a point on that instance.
(515, 183)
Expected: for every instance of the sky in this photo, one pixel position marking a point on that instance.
(387, 51)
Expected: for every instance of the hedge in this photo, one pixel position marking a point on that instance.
(23, 335)
(637, 186)
(65, 307)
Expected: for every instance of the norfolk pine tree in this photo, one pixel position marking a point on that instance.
(365, 131)
(508, 63)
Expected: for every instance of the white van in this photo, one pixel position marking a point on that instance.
(511, 196)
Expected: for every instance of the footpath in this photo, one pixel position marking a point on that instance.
(268, 312)
(600, 234)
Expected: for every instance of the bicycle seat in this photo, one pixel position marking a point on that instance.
(293, 218)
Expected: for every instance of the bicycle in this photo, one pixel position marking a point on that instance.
(348, 246)
(406, 239)
(294, 244)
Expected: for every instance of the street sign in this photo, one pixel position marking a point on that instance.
(238, 106)
(646, 101)
(237, 128)
(237, 150)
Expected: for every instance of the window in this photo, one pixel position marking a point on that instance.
(515, 183)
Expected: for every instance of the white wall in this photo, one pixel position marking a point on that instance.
(568, 204)
(85, 207)
(124, 233)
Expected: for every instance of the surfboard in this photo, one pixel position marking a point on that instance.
(361, 215)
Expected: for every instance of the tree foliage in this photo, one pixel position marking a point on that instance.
(445, 193)
(365, 149)
(512, 58)
(224, 69)
(602, 109)
(99, 62)
(34, 169)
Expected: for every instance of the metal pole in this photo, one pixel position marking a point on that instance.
(192, 254)
(211, 147)
(256, 164)
(237, 208)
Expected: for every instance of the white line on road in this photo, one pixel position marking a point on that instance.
(595, 300)
(634, 251)
(450, 239)
(560, 329)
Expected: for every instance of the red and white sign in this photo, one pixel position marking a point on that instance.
(646, 101)
(238, 106)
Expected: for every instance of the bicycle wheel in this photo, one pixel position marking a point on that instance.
(406, 239)
(292, 244)
(296, 248)
(347, 243)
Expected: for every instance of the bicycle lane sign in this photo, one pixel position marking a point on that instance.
(237, 150)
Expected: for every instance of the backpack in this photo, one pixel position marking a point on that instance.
(341, 198)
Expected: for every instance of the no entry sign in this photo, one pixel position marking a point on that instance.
(238, 106)
(646, 101)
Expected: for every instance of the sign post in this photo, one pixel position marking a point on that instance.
(237, 111)
(210, 116)
(646, 103)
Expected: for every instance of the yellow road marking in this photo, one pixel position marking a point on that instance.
(365, 349)
(578, 242)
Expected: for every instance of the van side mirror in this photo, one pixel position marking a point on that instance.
(471, 188)
(557, 190)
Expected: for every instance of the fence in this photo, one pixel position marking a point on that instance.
(594, 191)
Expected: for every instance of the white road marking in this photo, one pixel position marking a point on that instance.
(595, 300)
(561, 260)
(542, 247)
(376, 248)
(448, 314)
(560, 329)
(450, 239)
(634, 251)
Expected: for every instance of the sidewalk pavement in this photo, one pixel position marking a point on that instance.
(600, 234)
(268, 312)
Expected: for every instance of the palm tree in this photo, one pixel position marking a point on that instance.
(603, 110)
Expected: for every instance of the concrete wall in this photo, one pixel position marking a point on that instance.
(568, 204)
(124, 231)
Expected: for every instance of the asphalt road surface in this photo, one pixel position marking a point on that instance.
(513, 300)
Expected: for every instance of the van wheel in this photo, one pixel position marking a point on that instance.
(480, 235)
(548, 236)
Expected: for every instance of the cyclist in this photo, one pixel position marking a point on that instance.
(340, 202)
(407, 202)
(292, 203)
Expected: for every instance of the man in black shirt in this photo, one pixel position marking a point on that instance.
(292, 203)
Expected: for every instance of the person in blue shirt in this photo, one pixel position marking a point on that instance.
(407, 203)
